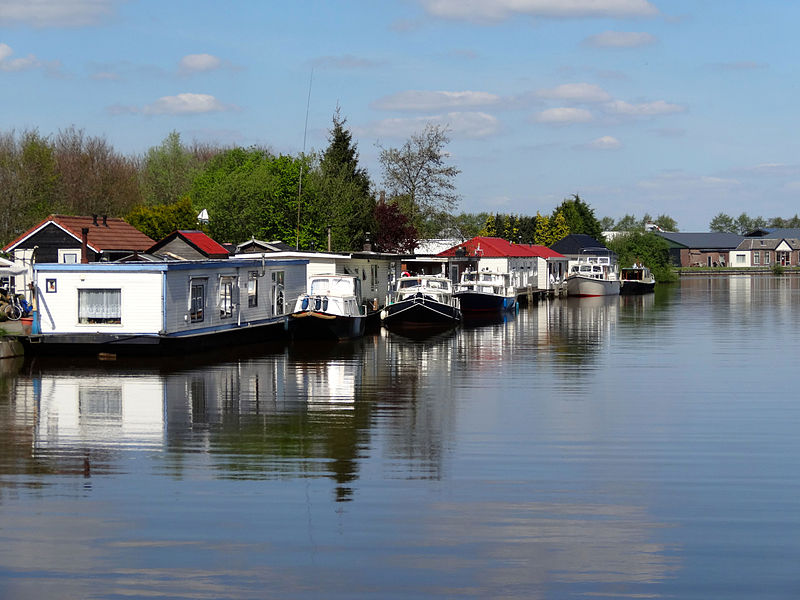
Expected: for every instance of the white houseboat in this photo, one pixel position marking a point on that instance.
(111, 307)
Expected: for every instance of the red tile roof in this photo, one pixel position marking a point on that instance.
(197, 240)
(492, 247)
(104, 234)
(203, 243)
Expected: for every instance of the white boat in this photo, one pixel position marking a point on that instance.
(485, 293)
(331, 308)
(593, 275)
(422, 301)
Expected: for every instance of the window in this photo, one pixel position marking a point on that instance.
(225, 297)
(740, 259)
(767, 257)
(197, 300)
(277, 292)
(373, 278)
(69, 256)
(252, 289)
(100, 306)
(756, 257)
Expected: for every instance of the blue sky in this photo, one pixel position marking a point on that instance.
(682, 107)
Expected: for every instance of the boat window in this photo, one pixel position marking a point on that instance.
(252, 289)
(225, 297)
(197, 300)
(100, 306)
(332, 286)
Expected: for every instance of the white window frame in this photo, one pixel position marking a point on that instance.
(197, 313)
(63, 253)
(113, 318)
(226, 288)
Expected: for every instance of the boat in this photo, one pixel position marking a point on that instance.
(422, 301)
(636, 280)
(485, 293)
(593, 275)
(331, 309)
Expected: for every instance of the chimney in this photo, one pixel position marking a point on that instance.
(94, 219)
(367, 243)
(85, 243)
(105, 220)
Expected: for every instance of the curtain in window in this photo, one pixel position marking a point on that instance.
(102, 306)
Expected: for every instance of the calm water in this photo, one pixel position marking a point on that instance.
(642, 447)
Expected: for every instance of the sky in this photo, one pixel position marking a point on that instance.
(685, 108)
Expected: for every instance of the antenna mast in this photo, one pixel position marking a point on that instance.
(302, 161)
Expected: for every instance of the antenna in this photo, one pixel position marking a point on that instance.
(302, 161)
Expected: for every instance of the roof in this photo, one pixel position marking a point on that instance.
(274, 246)
(770, 243)
(703, 241)
(196, 239)
(492, 247)
(774, 232)
(105, 233)
(579, 243)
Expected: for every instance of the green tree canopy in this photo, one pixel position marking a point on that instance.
(580, 217)
(167, 171)
(160, 220)
(649, 249)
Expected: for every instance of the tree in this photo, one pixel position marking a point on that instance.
(344, 189)
(666, 223)
(628, 223)
(159, 221)
(418, 174)
(467, 225)
(250, 193)
(648, 249)
(395, 232)
(607, 223)
(167, 171)
(723, 223)
(580, 217)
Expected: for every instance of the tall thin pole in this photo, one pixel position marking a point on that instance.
(302, 160)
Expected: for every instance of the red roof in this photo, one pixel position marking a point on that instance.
(196, 239)
(492, 247)
(105, 233)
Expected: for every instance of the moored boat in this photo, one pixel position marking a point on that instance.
(331, 308)
(636, 280)
(593, 276)
(485, 293)
(422, 301)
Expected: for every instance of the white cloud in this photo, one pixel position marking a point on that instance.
(644, 109)
(460, 124)
(579, 92)
(195, 63)
(564, 115)
(620, 39)
(496, 10)
(16, 64)
(55, 13)
(431, 101)
(605, 142)
(182, 104)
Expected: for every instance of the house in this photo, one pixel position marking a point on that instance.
(577, 245)
(188, 245)
(129, 306)
(528, 265)
(71, 239)
(766, 251)
(700, 249)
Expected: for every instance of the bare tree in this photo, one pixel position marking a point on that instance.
(417, 175)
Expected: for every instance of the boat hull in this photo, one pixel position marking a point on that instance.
(314, 325)
(631, 287)
(484, 304)
(420, 311)
(578, 285)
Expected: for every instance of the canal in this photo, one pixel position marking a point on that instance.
(623, 447)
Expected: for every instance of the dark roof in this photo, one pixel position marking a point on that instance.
(254, 245)
(774, 232)
(196, 239)
(703, 241)
(105, 233)
(579, 243)
(499, 248)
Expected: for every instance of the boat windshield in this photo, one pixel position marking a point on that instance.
(331, 286)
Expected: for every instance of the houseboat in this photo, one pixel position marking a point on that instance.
(636, 280)
(331, 308)
(172, 305)
(485, 293)
(421, 301)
